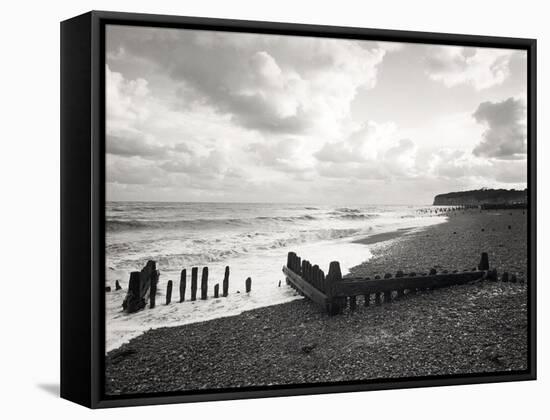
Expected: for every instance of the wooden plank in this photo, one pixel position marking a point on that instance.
(305, 288)
(358, 286)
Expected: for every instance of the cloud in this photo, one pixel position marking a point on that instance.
(213, 116)
(477, 171)
(132, 171)
(481, 68)
(134, 144)
(371, 152)
(273, 84)
(506, 134)
(125, 99)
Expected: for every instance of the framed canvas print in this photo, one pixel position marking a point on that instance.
(255, 209)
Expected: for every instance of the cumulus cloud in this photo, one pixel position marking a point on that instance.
(481, 68)
(276, 84)
(506, 134)
(125, 100)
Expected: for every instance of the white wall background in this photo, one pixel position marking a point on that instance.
(29, 233)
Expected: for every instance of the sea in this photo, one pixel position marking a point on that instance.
(253, 239)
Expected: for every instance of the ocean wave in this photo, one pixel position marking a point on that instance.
(114, 225)
(203, 252)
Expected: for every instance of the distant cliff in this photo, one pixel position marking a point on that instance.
(480, 197)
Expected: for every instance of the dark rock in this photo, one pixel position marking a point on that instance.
(308, 348)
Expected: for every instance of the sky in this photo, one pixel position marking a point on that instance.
(231, 117)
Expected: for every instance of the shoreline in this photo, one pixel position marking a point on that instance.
(473, 328)
(266, 274)
(384, 236)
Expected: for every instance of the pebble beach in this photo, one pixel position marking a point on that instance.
(475, 328)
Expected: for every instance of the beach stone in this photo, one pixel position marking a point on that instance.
(308, 348)
(107, 288)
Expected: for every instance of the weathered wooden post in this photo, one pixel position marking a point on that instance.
(183, 284)
(130, 303)
(492, 275)
(153, 289)
(378, 298)
(367, 299)
(352, 303)
(315, 276)
(117, 285)
(291, 261)
(225, 285)
(169, 292)
(332, 279)
(248, 284)
(204, 283)
(216, 290)
(484, 262)
(194, 275)
(505, 277)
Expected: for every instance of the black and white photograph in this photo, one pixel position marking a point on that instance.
(287, 210)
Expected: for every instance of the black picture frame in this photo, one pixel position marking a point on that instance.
(83, 201)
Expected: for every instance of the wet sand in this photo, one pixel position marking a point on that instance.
(382, 237)
(480, 327)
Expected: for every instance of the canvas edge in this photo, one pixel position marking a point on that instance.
(97, 190)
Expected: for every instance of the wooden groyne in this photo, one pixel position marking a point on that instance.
(333, 293)
(143, 285)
